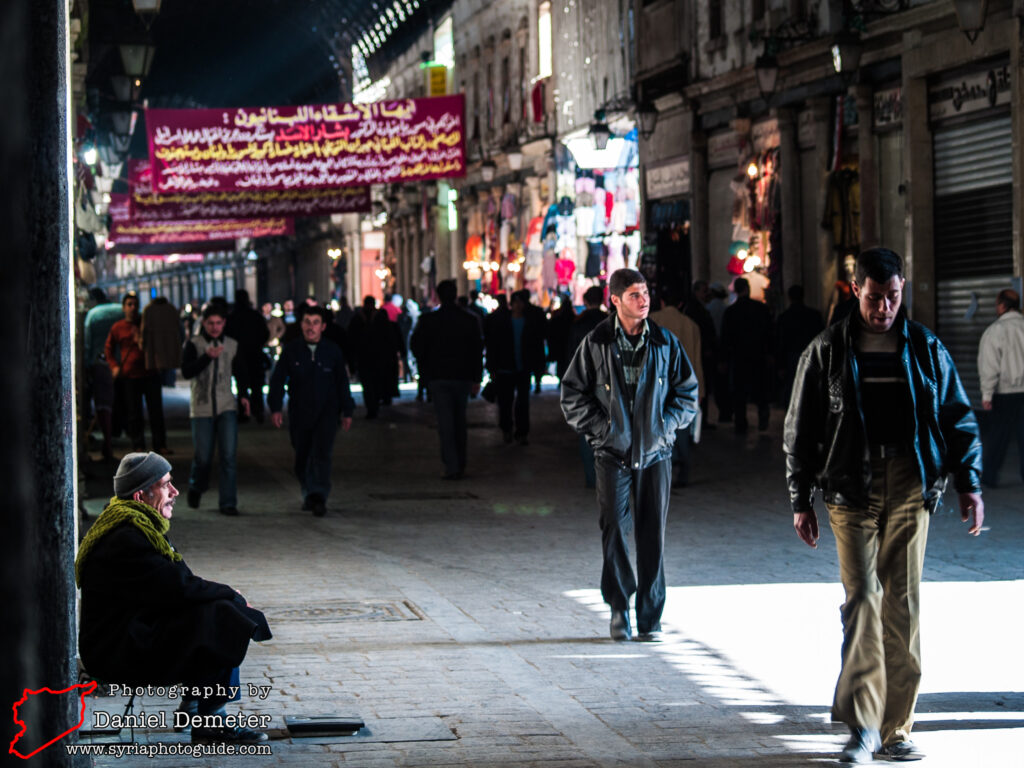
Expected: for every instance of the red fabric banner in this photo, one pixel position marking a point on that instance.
(308, 147)
(124, 230)
(147, 206)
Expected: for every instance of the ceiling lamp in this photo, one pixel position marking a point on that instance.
(599, 130)
(144, 7)
(846, 53)
(515, 159)
(487, 170)
(647, 117)
(970, 17)
(766, 69)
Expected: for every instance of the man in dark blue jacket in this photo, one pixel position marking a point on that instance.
(318, 398)
(877, 420)
(449, 353)
(628, 389)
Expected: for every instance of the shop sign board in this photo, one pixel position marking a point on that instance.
(437, 79)
(724, 149)
(969, 93)
(670, 179)
(246, 203)
(124, 229)
(306, 147)
(765, 135)
(888, 108)
(805, 129)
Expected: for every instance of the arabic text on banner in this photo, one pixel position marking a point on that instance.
(308, 147)
(147, 206)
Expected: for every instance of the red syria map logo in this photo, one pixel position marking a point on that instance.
(84, 688)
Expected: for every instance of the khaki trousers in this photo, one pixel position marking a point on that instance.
(881, 555)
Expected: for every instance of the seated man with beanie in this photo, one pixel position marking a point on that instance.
(147, 619)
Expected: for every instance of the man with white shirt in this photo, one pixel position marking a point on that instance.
(1001, 369)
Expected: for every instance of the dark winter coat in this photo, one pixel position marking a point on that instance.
(595, 399)
(247, 326)
(500, 342)
(147, 620)
(825, 440)
(161, 335)
(447, 345)
(317, 386)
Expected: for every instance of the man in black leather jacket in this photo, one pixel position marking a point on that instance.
(877, 420)
(627, 390)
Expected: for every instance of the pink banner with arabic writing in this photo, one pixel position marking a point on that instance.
(147, 206)
(124, 229)
(308, 147)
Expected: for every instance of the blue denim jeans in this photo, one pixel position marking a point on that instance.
(224, 429)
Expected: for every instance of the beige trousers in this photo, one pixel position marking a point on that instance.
(881, 555)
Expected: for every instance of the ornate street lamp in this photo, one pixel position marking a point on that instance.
(766, 69)
(136, 59)
(599, 130)
(970, 17)
(487, 170)
(647, 118)
(515, 159)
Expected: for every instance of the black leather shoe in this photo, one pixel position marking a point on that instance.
(193, 498)
(861, 746)
(318, 505)
(229, 511)
(619, 627)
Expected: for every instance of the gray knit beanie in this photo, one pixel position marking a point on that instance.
(138, 471)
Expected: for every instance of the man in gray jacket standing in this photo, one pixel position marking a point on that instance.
(627, 390)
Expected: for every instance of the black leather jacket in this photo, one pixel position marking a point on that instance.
(825, 440)
(594, 396)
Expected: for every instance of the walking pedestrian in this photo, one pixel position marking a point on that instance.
(592, 315)
(628, 389)
(695, 308)
(1001, 369)
(877, 419)
(797, 327)
(313, 370)
(98, 322)
(514, 338)
(161, 340)
(449, 355)
(209, 360)
(687, 331)
(746, 352)
(246, 325)
(125, 356)
(559, 329)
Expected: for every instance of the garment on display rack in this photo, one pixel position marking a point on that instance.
(616, 253)
(564, 269)
(595, 258)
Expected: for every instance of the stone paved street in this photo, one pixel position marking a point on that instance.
(462, 621)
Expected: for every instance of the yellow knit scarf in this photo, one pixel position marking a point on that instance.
(152, 524)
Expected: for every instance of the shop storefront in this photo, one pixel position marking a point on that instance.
(746, 228)
(666, 259)
(972, 141)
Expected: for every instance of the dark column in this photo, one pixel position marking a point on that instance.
(37, 532)
(699, 238)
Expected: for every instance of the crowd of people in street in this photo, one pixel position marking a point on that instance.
(877, 419)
